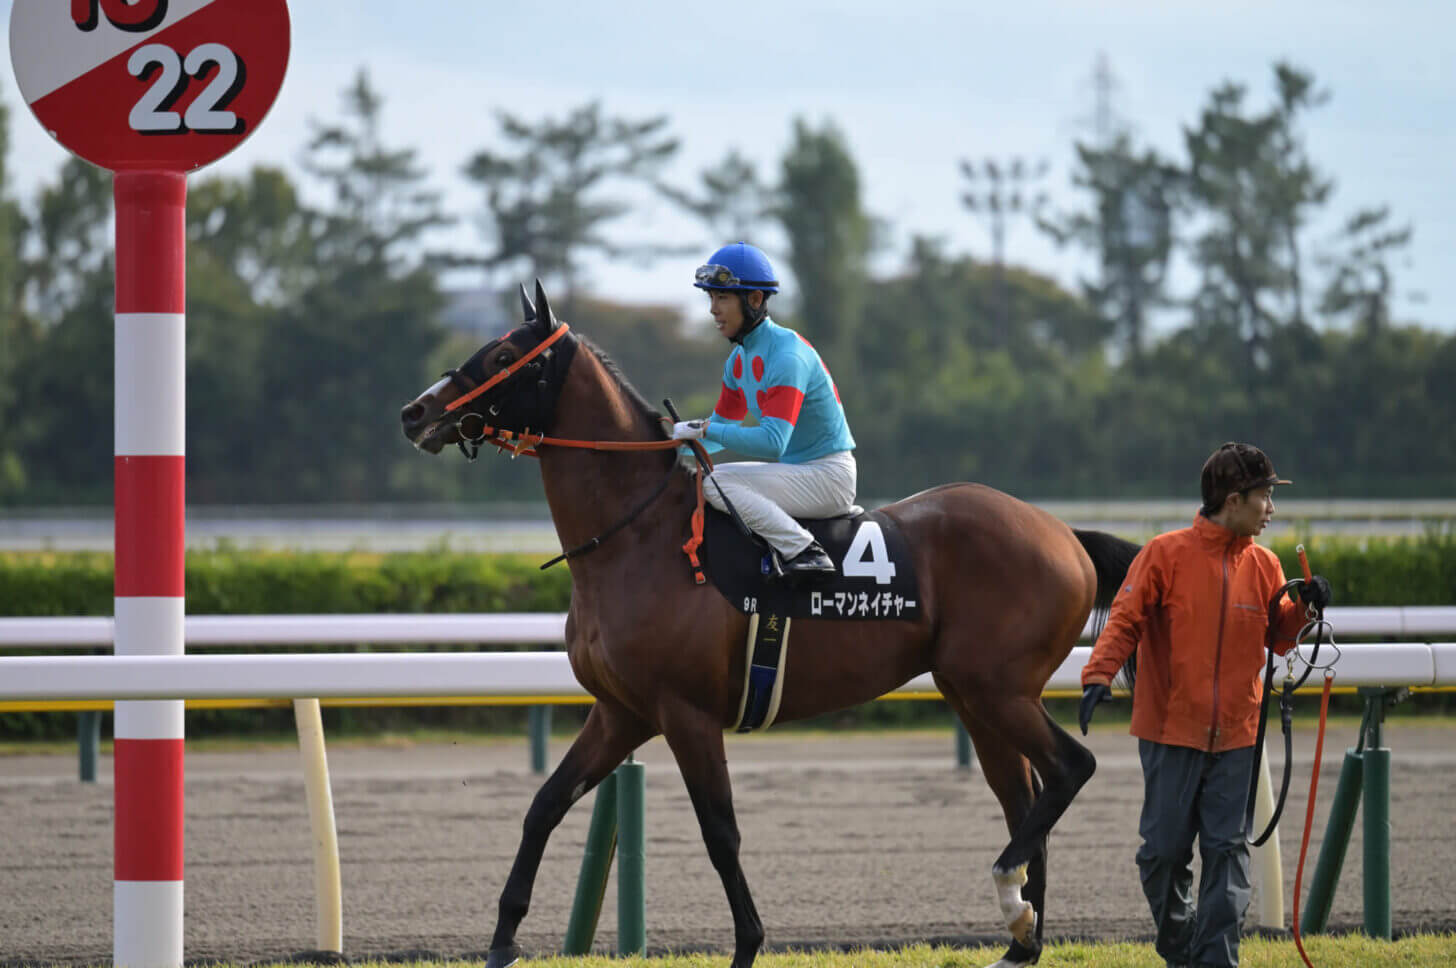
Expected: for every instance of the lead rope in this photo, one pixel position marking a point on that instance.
(1317, 619)
(1319, 745)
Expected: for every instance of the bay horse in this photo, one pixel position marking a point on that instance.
(1005, 590)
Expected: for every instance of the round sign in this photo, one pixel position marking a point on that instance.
(165, 85)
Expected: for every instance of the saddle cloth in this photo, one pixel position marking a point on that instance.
(876, 577)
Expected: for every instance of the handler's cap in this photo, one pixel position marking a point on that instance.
(1234, 468)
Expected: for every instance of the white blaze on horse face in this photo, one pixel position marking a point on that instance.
(436, 387)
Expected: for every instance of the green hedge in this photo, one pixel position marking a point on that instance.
(231, 582)
(1376, 571)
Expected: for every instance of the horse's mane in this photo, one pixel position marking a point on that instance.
(628, 390)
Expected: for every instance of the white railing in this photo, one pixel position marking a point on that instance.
(517, 677)
(524, 628)
(513, 676)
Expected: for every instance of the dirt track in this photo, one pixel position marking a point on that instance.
(845, 841)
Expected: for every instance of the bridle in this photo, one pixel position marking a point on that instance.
(474, 435)
(509, 371)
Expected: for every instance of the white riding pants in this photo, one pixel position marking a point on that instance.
(768, 496)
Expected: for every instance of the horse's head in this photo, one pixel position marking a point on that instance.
(510, 383)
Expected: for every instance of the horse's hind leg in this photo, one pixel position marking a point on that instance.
(1063, 764)
(610, 733)
(696, 740)
(1010, 777)
(1035, 769)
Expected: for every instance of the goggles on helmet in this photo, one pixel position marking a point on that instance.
(711, 275)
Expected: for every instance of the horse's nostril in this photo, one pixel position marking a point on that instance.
(412, 413)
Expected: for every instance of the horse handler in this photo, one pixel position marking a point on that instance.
(1195, 607)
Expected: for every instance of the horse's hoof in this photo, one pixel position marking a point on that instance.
(503, 957)
(1008, 963)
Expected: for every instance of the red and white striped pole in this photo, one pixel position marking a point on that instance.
(151, 225)
(149, 90)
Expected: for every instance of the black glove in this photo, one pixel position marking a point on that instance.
(1092, 694)
(1315, 592)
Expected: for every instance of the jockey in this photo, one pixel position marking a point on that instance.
(803, 451)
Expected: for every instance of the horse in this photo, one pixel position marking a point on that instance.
(1005, 591)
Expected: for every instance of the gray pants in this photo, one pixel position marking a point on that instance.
(1188, 793)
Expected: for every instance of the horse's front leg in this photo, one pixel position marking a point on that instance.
(610, 733)
(696, 740)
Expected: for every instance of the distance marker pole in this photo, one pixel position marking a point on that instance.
(150, 512)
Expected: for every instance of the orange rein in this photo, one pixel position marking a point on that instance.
(525, 442)
(1319, 745)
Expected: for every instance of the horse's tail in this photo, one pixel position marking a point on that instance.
(1111, 556)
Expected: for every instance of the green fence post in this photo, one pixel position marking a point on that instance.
(632, 860)
(596, 864)
(963, 745)
(1336, 840)
(1377, 843)
(1377, 820)
(539, 726)
(88, 737)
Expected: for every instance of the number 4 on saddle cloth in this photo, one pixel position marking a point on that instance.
(875, 581)
(875, 577)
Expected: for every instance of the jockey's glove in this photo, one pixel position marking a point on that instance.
(688, 430)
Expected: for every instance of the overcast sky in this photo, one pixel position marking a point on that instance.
(915, 85)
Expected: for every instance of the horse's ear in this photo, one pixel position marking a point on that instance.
(527, 307)
(545, 318)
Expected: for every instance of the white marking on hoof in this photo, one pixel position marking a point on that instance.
(1018, 914)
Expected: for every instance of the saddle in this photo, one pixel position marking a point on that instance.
(875, 579)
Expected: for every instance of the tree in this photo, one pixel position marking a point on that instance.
(250, 256)
(1249, 177)
(1129, 228)
(17, 332)
(380, 201)
(940, 399)
(732, 203)
(829, 240)
(546, 200)
(341, 354)
(1000, 192)
(1361, 285)
(63, 383)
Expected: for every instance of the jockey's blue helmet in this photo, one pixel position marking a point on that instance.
(738, 266)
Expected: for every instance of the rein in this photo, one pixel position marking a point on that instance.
(631, 515)
(525, 442)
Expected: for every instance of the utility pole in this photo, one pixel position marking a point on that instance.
(998, 192)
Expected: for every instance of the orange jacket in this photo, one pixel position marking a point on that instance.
(1195, 605)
